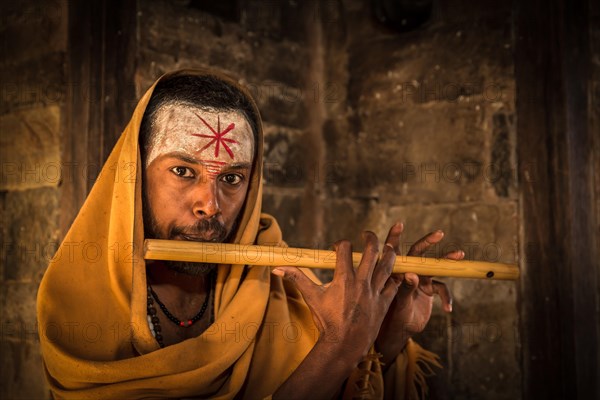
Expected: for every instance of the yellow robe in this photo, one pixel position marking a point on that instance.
(94, 334)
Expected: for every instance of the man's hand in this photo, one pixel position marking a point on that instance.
(411, 309)
(348, 314)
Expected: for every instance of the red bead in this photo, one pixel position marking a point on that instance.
(181, 323)
(189, 322)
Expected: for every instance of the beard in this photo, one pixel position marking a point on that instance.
(205, 230)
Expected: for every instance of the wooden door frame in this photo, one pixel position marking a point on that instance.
(100, 68)
(559, 285)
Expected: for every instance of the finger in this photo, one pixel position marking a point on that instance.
(442, 290)
(423, 244)
(399, 276)
(344, 268)
(307, 289)
(391, 289)
(409, 285)
(369, 257)
(384, 267)
(393, 237)
(305, 285)
(456, 255)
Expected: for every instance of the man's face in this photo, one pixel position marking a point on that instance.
(197, 173)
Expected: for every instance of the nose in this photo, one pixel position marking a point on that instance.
(206, 203)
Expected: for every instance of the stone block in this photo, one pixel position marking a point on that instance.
(502, 152)
(486, 232)
(18, 312)
(262, 17)
(276, 19)
(151, 65)
(486, 339)
(341, 146)
(32, 29)
(287, 209)
(29, 233)
(182, 36)
(418, 220)
(233, 57)
(282, 105)
(280, 61)
(347, 219)
(285, 161)
(441, 64)
(21, 371)
(273, 69)
(30, 150)
(424, 109)
(415, 155)
(165, 25)
(38, 82)
(478, 341)
(224, 44)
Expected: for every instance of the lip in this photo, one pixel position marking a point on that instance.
(196, 238)
(192, 238)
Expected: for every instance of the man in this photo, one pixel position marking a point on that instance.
(113, 326)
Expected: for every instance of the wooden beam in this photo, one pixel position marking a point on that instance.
(558, 288)
(101, 58)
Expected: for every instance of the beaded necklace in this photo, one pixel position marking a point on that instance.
(154, 321)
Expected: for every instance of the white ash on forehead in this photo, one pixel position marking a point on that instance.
(207, 135)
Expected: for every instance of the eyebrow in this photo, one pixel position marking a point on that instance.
(191, 160)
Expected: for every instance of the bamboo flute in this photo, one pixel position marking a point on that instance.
(273, 256)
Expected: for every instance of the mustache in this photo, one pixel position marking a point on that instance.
(198, 231)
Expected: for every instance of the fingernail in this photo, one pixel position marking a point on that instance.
(390, 246)
(449, 307)
(278, 272)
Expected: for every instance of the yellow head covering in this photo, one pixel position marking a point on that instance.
(94, 334)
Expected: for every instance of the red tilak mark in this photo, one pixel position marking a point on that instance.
(213, 162)
(217, 137)
(213, 167)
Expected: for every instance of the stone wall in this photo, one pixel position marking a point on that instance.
(267, 47)
(34, 41)
(364, 126)
(429, 140)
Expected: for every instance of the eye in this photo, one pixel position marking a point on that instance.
(183, 172)
(232, 179)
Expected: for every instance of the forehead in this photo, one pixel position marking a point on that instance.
(205, 134)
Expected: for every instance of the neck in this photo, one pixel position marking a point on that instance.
(160, 275)
(184, 298)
